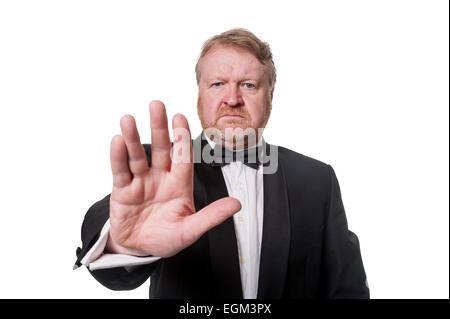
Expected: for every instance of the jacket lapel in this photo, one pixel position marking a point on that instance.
(276, 236)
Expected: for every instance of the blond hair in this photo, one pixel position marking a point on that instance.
(245, 40)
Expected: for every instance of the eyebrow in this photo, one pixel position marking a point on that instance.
(247, 78)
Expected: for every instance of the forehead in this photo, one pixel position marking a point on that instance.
(225, 61)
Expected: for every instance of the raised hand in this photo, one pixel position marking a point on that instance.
(152, 208)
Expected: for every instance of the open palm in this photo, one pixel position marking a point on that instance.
(152, 208)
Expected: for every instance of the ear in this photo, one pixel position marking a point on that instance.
(271, 93)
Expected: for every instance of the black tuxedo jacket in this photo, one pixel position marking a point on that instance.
(307, 250)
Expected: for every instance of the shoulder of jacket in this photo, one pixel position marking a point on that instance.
(292, 157)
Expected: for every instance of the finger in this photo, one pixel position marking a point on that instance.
(137, 160)
(160, 136)
(119, 162)
(212, 215)
(182, 165)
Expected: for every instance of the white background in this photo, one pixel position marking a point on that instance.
(362, 85)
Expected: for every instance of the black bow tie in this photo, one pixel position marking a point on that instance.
(223, 156)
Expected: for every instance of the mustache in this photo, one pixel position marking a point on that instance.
(232, 110)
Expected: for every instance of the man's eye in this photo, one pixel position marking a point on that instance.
(249, 85)
(217, 84)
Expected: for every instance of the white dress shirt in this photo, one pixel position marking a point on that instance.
(243, 183)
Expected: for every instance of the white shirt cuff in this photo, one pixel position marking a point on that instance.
(96, 258)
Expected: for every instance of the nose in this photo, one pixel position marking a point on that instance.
(233, 96)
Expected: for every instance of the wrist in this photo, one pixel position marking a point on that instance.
(113, 247)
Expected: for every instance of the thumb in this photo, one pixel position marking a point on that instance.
(210, 216)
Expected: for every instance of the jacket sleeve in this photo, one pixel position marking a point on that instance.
(114, 278)
(344, 271)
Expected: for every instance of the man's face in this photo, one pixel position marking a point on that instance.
(234, 91)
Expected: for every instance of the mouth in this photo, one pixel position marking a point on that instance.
(232, 116)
